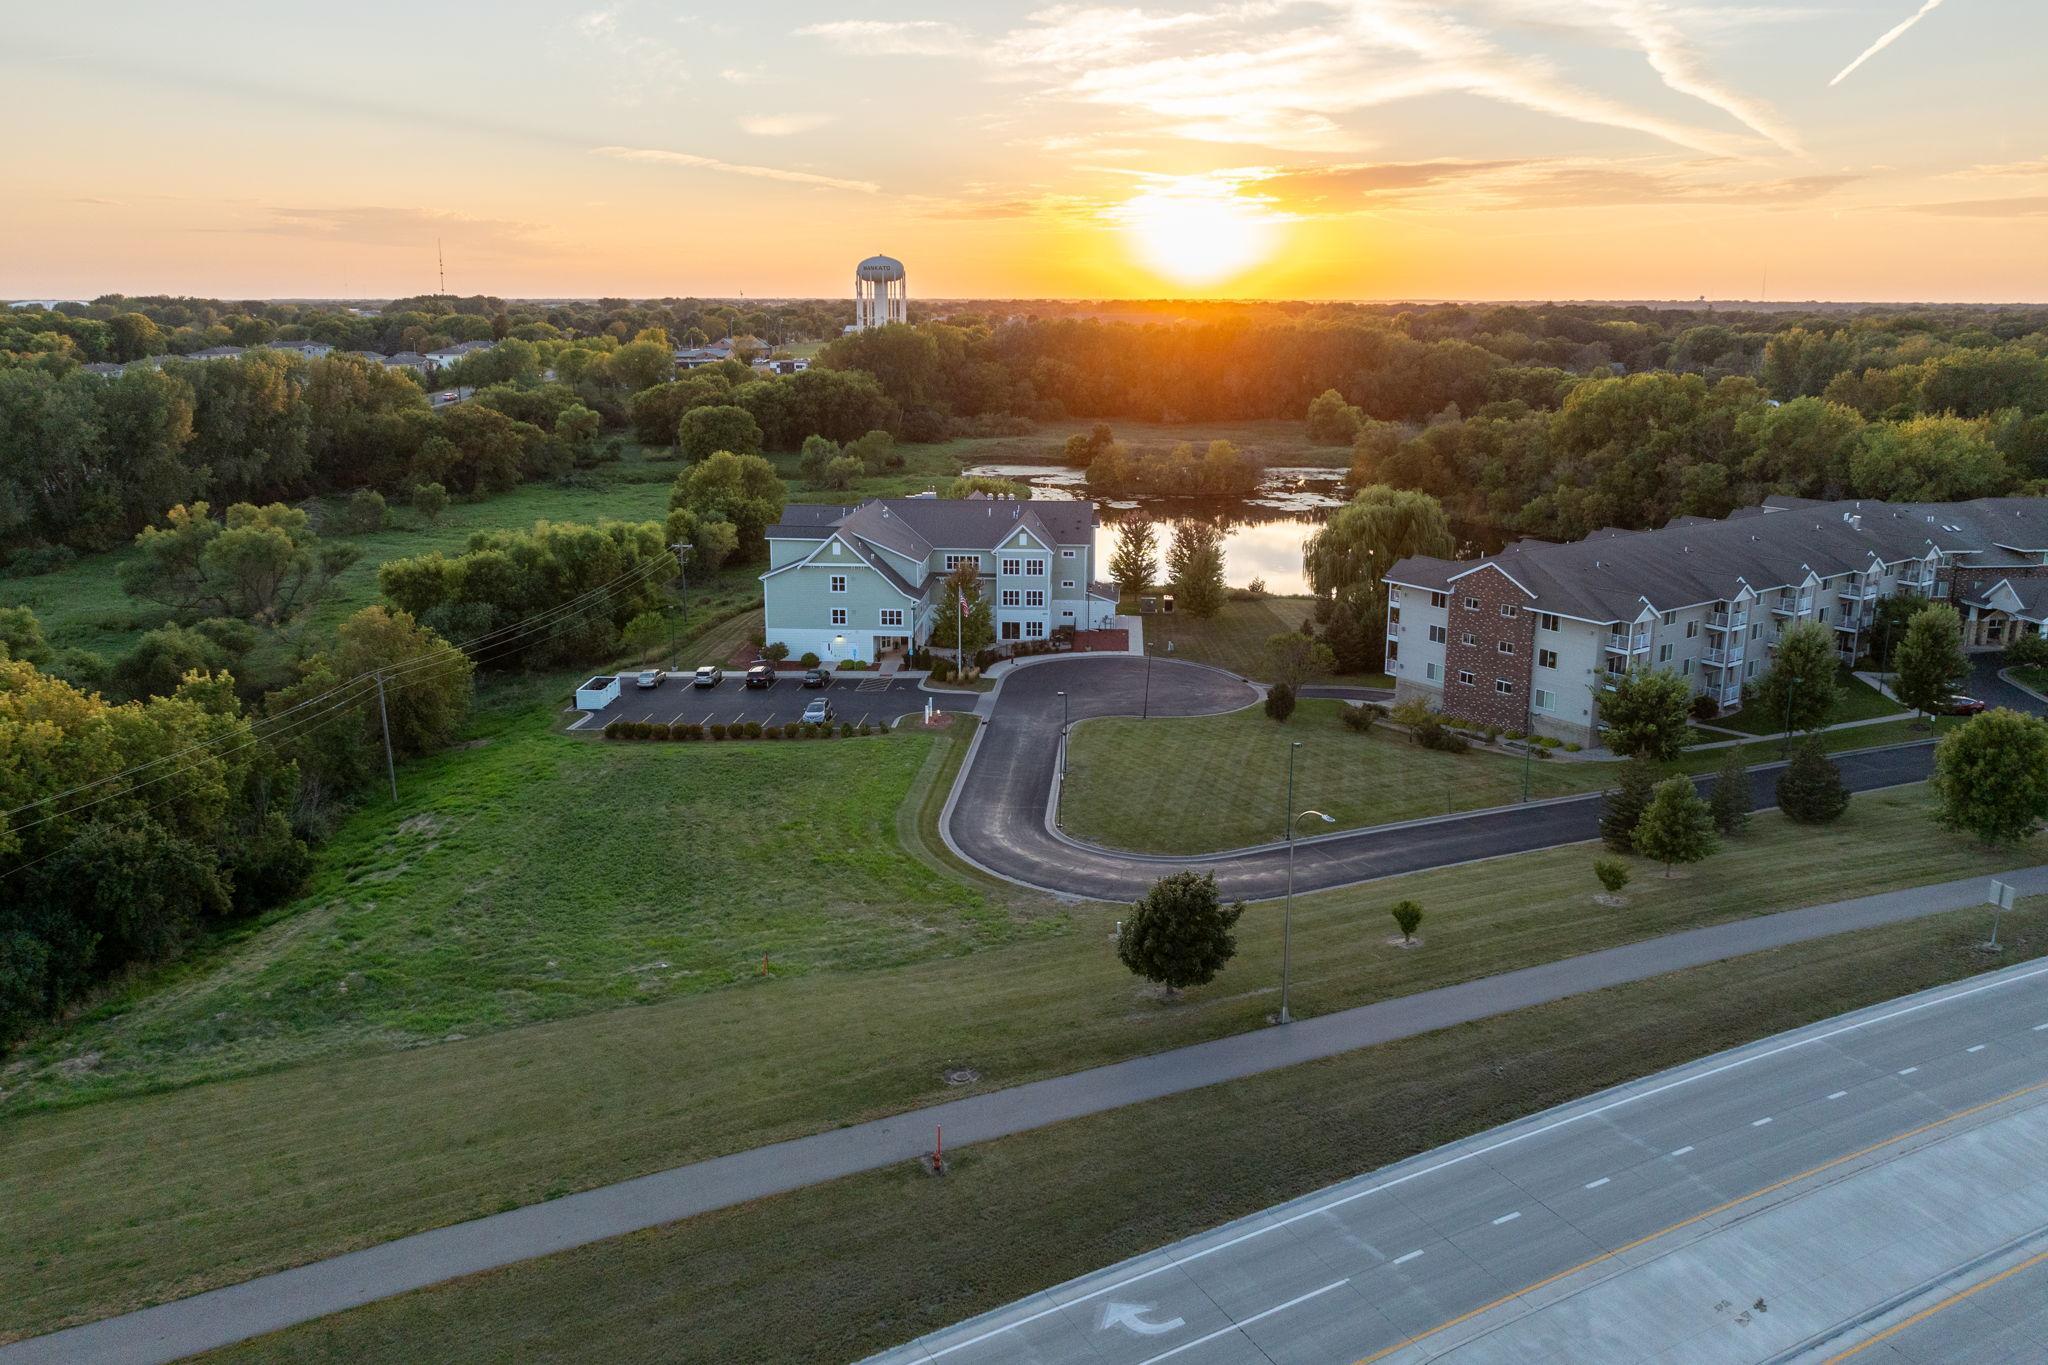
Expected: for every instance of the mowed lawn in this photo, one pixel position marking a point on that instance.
(1855, 700)
(1234, 639)
(874, 1260)
(281, 1166)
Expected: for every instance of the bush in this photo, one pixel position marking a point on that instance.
(611, 729)
(852, 666)
(1705, 707)
(41, 560)
(1279, 702)
(660, 730)
(941, 670)
(864, 728)
(1444, 741)
(366, 510)
(717, 730)
(1612, 872)
(771, 733)
(1407, 915)
(846, 729)
(807, 659)
(2029, 651)
(776, 652)
(753, 729)
(1360, 718)
(1570, 748)
(791, 730)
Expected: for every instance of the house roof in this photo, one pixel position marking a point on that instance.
(918, 526)
(2028, 595)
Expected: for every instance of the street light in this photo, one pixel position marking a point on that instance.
(1145, 712)
(1287, 915)
(1063, 736)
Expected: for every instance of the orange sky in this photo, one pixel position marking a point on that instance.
(1298, 148)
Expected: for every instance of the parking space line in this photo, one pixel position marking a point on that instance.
(1681, 1151)
(1758, 1123)
(1838, 1094)
(1246, 1322)
(1596, 1184)
(1978, 1048)
(1908, 1070)
(1404, 1260)
(1507, 1218)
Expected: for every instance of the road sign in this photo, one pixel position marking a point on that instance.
(2001, 895)
(1131, 1317)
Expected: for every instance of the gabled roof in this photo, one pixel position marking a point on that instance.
(861, 552)
(918, 527)
(2026, 598)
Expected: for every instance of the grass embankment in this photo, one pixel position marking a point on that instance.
(268, 1170)
(838, 1270)
(1855, 700)
(1234, 639)
(1117, 766)
(2032, 675)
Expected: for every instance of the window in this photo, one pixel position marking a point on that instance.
(1504, 687)
(1464, 677)
(1509, 611)
(1438, 599)
(1035, 597)
(1034, 567)
(1034, 630)
(1438, 635)
(839, 582)
(1011, 631)
(1686, 668)
(1664, 653)
(1066, 583)
(1546, 658)
(1756, 629)
(1011, 597)
(1545, 699)
(892, 616)
(839, 616)
(1505, 647)
(1066, 554)
(1669, 617)
(1393, 651)
(1433, 672)
(1471, 604)
(837, 547)
(1393, 616)
(1692, 630)
(1750, 672)
(1548, 620)
(1822, 616)
(1013, 566)
(1468, 639)
(955, 561)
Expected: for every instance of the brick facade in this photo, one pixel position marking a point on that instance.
(1481, 702)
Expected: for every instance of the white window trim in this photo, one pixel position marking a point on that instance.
(888, 612)
(838, 582)
(839, 616)
(1066, 583)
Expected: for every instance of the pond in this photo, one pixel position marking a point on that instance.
(1263, 534)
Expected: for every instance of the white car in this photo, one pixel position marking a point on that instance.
(710, 675)
(649, 677)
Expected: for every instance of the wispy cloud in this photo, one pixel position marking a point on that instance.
(2023, 206)
(894, 38)
(647, 68)
(380, 225)
(1891, 35)
(783, 125)
(662, 156)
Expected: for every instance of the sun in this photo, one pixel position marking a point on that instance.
(1197, 232)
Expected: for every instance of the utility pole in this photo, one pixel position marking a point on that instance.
(441, 265)
(390, 766)
(680, 549)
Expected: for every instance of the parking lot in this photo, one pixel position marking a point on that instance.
(854, 696)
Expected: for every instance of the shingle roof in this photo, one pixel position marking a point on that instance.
(918, 526)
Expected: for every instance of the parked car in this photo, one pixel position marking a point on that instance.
(761, 675)
(817, 677)
(1960, 706)
(818, 709)
(710, 675)
(650, 677)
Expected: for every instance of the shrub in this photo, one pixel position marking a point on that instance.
(611, 729)
(771, 733)
(1433, 735)
(845, 729)
(1612, 872)
(791, 730)
(1411, 713)
(41, 560)
(717, 730)
(852, 666)
(429, 500)
(661, 731)
(1279, 701)
(1407, 914)
(1360, 718)
(1705, 707)
(366, 509)
(1570, 748)
(2029, 651)
(753, 729)
(776, 652)
(807, 659)
(864, 728)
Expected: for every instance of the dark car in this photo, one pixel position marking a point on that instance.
(817, 677)
(761, 675)
(1960, 706)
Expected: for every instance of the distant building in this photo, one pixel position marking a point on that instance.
(448, 355)
(214, 353)
(881, 293)
(312, 350)
(409, 360)
(105, 369)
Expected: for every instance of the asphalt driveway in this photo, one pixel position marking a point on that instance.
(854, 696)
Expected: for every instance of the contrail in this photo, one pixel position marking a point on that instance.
(1891, 36)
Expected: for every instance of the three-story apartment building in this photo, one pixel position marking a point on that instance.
(1529, 638)
(864, 582)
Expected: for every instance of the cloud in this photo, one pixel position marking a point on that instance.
(733, 75)
(2038, 166)
(646, 69)
(783, 125)
(1570, 186)
(2026, 206)
(664, 157)
(378, 225)
(1890, 36)
(1343, 188)
(894, 38)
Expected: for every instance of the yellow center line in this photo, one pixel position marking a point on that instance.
(1736, 1202)
(1947, 1303)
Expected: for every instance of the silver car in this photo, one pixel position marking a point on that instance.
(818, 710)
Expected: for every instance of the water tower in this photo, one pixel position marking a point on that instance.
(880, 293)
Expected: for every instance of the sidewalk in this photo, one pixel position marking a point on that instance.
(223, 1316)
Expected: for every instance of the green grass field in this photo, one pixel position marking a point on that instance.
(398, 1129)
(867, 1262)
(1856, 700)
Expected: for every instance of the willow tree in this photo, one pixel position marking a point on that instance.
(1348, 559)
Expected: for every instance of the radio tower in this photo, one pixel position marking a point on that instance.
(441, 265)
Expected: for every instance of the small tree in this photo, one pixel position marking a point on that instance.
(1279, 701)
(2027, 651)
(1930, 660)
(1731, 801)
(1810, 790)
(1991, 776)
(1135, 559)
(1351, 650)
(1800, 690)
(1612, 872)
(1292, 658)
(1622, 808)
(1645, 714)
(1331, 420)
(1676, 827)
(429, 500)
(1195, 563)
(1407, 915)
(1179, 934)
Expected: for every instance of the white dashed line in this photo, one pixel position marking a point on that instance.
(2039, 1027)
(1506, 1218)
(1758, 1123)
(1909, 1071)
(1838, 1094)
(1404, 1260)
(1978, 1048)
(1596, 1184)
(1681, 1151)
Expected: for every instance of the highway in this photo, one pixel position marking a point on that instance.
(1864, 1189)
(999, 815)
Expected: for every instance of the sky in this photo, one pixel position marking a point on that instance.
(1316, 149)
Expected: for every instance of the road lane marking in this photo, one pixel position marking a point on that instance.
(1718, 1209)
(1237, 1326)
(1758, 1123)
(1978, 1048)
(1838, 1094)
(1596, 1184)
(2039, 1027)
(1909, 1070)
(1929, 1311)
(1515, 1139)
(1404, 1260)
(1507, 1218)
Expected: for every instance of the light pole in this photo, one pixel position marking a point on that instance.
(1287, 915)
(1791, 690)
(1145, 711)
(1063, 736)
(680, 548)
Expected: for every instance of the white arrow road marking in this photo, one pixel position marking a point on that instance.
(1131, 1317)
(1246, 1322)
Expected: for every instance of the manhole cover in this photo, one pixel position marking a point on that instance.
(962, 1075)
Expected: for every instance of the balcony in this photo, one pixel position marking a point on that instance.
(1721, 658)
(1728, 696)
(1788, 608)
(1858, 592)
(1727, 620)
(1619, 643)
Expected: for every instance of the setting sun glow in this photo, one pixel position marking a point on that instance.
(1197, 233)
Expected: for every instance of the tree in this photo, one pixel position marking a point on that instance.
(1407, 916)
(1292, 658)
(972, 629)
(1991, 776)
(1179, 934)
(1331, 420)
(1351, 647)
(1799, 691)
(1352, 552)
(1810, 790)
(1135, 559)
(817, 455)
(1930, 662)
(1889, 620)
(876, 452)
(2027, 651)
(1613, 874)
(162, 658)
(1731, 801)
(257, 564)
(21, 636)
(1645, 713)
(430, 500)
(1623, 806)
(1195, 564)
(704, 432)
(1676, 827)
(1280, 701)
(742, 489)
(1080, 451)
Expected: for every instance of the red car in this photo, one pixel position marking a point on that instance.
(1961, 706)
